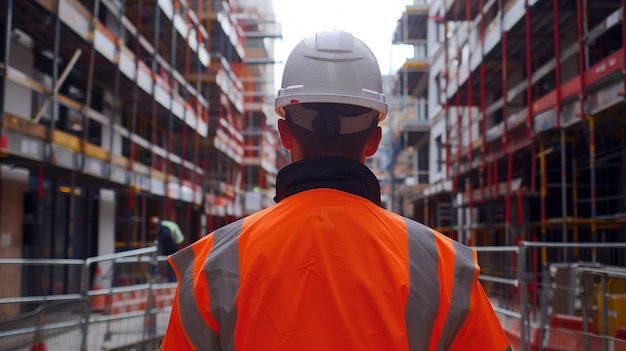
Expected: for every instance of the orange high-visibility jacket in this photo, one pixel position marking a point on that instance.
(325, 269)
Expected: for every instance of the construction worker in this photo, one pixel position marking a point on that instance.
(327, 268)
(169, 237)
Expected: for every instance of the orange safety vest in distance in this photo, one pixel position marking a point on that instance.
(325, 269)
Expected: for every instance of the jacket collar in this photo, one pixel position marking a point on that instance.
(327, 172)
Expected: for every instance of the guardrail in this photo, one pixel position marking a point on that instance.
(125, 299)
(558, 296)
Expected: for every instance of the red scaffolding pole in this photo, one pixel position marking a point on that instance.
(581, 55)
(133, 128)
(623, 44)
(483, 146)
(529, 99)
(446, 106)
(459, 114)
(494, 161)
(468, 16)
(183, 147)
(557, 63)
(592, 140)
(505, 132)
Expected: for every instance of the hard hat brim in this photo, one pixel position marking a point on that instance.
(282, 101)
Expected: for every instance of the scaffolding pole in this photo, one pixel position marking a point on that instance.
(505, 132)
(459, 114)
(563, 191)
(470, 151)
(5, 61)
(92, 58)
(557, 63)
(623, 45)
(574, 198)
(529, 117)
(117, 110)
(170, 116)
(134, 112)
(57, 86)
(446, 106)
(483, 133)
(592, 177)
(529, 78)
(195, 179)
(557, 70)
(183, 147)
(496, 177)
(5, 66)
(54, 115)
(581, 31)
(543, 193)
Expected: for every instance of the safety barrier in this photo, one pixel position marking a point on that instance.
(124, 301)
(544, 293)
(138, 299)
(58, 325)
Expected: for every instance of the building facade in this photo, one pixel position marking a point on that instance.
(526, 117)
(113, 111)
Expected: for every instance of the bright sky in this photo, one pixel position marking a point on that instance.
(372, 21)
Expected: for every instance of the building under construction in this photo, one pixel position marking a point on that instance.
(113, 111)
(526, 115)
(524, 141)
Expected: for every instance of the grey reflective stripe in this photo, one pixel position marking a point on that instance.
(423, 302)
(464, 272)
(222, 274)
(200, 334)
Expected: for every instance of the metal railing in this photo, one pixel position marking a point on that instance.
(558, 296)
(119, 301)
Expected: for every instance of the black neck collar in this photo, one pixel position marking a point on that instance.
(327, 172)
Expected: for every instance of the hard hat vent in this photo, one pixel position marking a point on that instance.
(334, 41)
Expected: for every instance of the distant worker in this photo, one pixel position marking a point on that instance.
(327, 268)
(169, 237)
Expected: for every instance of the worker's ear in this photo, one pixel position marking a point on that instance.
(373, 142)
(286, 137)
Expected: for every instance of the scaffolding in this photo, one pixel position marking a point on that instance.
(151, 101)
(534, 136)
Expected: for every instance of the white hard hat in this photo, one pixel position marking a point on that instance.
(332, 67)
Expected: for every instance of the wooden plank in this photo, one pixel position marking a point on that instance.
(96, 152)
(158, 175)
(66, 140)
(24, 126)
(120, 161)
(22, 79)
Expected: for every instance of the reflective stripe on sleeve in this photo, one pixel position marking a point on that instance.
(429, 295)
(423, 301)
(222, 274)
(198, 332)
(465, 269)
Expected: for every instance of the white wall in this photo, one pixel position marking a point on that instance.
(17, 99)
(106, 231)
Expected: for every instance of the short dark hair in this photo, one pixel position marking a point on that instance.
(315, 144)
